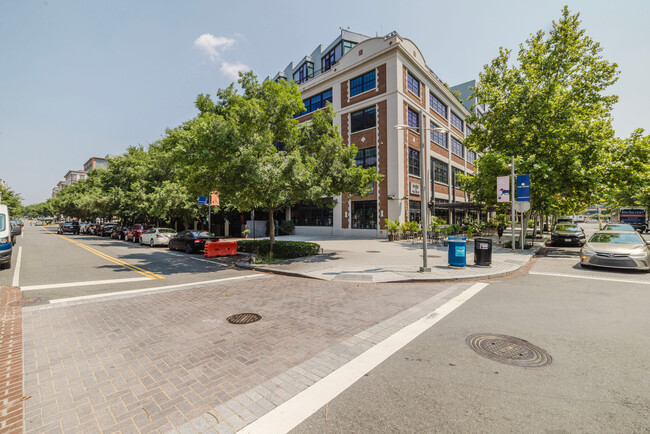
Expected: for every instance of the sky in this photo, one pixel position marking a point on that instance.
(88, 78)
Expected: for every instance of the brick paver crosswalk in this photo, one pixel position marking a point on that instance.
(154, 362)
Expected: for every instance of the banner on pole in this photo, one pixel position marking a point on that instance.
(523, 188)
(214, 198)
(503, 189)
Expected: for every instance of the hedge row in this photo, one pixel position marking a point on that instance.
(281, 249)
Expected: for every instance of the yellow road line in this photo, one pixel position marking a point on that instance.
(139, 270)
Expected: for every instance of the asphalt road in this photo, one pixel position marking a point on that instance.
(593, 323)
(67, 266)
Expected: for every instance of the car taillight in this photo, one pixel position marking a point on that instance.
(197, 241)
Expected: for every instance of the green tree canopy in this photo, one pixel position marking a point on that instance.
(13, 201)
(628, 171)
(549, 109)
(250, 148)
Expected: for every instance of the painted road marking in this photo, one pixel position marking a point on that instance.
(155, 289)
(16, 278)
(87, 283)
(139, 270)
(576, 276)
(185, 255)
(290, 414)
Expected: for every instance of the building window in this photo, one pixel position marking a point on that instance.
(438, 138)
(456, 178)
(333, 56)
(457, 122)
(362, 83)
(414, 162)
(440, 171)
(438, 105)
(457, 147)
(316, 102)
(366, 157)
(415, 214)
(309, 214)
(412, 84)
(413, 118)
(363, 119)
(304, 73)
(364, 214)
(468, 130)
(471, 156)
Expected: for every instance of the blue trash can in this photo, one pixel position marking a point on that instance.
(457, 251)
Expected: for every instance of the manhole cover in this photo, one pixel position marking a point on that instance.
(373, 251)
(243, 318)
(31, 301)
(509, 350)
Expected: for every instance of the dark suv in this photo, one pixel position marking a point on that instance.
(69, 227)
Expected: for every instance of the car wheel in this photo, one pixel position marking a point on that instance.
(6, 265)
(585, 265)
(151, 243)
(188, 248)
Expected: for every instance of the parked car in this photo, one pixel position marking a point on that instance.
(107, 229)
(135, 232)
(16, 227)
(123, 232)
(38, 223)
(619, 227)
(69, 228)
(6, 238)
(116, 233)
(567, 234)
(616, 249)
(191, 241)
(157, 236)
(89, 229)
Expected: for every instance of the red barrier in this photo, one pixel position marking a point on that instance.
(221, 248)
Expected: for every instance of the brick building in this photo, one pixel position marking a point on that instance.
(375, 84)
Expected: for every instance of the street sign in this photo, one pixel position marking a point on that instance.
(503, 189)
(523, 188)
(203, 200)
(522, 206)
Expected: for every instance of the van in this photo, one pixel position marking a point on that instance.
(5, 238)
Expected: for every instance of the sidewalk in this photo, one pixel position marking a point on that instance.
(375, 261)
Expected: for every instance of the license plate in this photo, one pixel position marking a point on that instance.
(567, 240)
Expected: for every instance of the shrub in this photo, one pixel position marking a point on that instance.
(286, 227)
(281, 249)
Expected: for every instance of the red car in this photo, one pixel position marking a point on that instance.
(135, 232)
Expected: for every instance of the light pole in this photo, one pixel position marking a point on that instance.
(424, 198)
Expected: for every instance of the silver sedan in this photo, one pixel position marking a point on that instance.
(157, 236)
(616, 249)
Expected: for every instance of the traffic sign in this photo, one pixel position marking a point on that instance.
(203, 200)
(522, 206)
(523, 188)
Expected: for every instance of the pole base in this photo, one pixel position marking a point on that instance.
(425, 269)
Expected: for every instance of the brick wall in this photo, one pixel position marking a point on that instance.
(11, 362)
(418, 99)
(380, 74)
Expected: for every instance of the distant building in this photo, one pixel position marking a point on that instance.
(74, 176)
(95, 163)
(466, 90)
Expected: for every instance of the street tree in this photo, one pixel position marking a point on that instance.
(251, 149)
(628, 171)
(549, 108)
(13, 201)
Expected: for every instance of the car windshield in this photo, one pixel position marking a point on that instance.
(567, 228)
(619, 228)
(166, 231)
(616, 238)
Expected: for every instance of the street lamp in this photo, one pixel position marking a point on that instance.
(425, 196)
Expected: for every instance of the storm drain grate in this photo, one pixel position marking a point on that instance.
(31, 301)
(243, 318)
(509, 350)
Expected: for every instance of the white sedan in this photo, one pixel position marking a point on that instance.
(157, 236)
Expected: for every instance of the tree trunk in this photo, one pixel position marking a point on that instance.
(535, 227)
(271, 231)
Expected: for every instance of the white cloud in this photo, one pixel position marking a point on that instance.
(232, 70)
(211, 45)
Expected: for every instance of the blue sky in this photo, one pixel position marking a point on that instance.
(87, 78)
